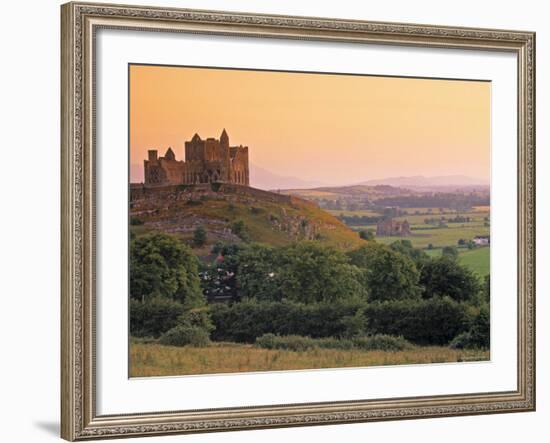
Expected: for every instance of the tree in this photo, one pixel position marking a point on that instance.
(479, 335)
(258, 274)
(162, 266)
(366, 235)
(406, 247)
(389, 275)
(450, 252)
(445, 276)
(487, 288)
(199, 237)
(310, 273)
(153, 317)
(240, 229)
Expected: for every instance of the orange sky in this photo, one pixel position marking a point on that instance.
(336, 129)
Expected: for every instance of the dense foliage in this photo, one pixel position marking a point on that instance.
(162, 266)
(389, 275)
(154, 316)
(445, 276)
(478, 336)
(300, 343)
(435, 321)
(183, 335)
(307, 291)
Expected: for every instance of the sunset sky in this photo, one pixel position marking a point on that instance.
(332, 129)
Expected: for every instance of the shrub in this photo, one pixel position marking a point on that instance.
(462, 341)
(183, 335)
(243, 322)
(199, 236)
(450, 252)
(240, 229)
(429, 322)
(199, 317)
(434, 321)
(300, 343)
(366, 235)
(290, 342)
(445, 276)
(153, 317)
(381, 342)
(354, 325)
(257, 210)
(134, 221)
(478, 336)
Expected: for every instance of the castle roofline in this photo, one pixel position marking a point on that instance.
(170, 154)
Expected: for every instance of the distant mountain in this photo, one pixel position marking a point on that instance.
(263, 179)
(419, 181)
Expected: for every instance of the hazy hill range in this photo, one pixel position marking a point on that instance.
(368, 191)
(438, 184)
(263, 179)
(234, 213)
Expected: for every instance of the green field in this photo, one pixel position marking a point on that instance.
(439, 237)
(148, 360)
(477, 259)
(432, 238)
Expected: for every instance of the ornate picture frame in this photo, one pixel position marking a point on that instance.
(80, 22)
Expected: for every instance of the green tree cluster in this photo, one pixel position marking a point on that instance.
(307, 288)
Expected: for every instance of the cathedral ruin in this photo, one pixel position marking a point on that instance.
(393, 228)
(206, 161)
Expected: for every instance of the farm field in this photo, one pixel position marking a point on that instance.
(439, 237)
(476, 259)
(150, 359)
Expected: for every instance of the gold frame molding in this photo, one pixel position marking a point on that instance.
(79, 22)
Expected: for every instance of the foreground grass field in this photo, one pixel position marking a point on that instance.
(156, 360)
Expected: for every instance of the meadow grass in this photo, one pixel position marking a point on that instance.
(477, 260)
(149, 359)
(439, 237)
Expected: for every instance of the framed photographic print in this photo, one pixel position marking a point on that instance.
(283, 221)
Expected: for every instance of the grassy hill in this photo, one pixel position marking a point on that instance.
(264, 217)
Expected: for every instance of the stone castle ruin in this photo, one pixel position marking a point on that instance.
(393, 228)
(206, 161)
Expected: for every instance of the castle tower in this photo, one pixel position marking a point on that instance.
(206, 161)
(225, 155)
(170, 154)
(224, 139)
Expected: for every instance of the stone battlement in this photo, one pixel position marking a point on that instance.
(206, 161)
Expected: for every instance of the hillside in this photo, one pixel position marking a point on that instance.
(231, 213)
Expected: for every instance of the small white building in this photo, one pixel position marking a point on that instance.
(482, 240)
